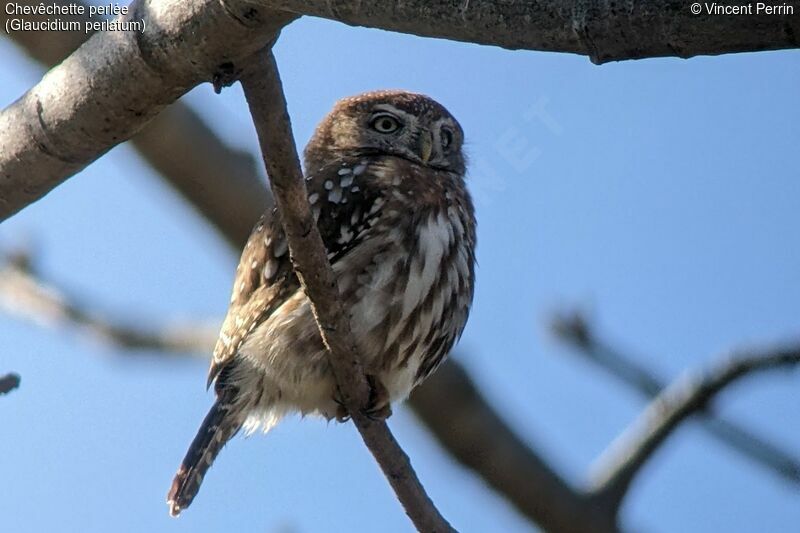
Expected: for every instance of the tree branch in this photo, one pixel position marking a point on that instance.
(8, 383)
(604, 30)
(620, 463)
(575, 329)
(264, 93)
(216, 175)
(109, 88)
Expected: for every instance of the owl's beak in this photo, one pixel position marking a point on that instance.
(425, 146)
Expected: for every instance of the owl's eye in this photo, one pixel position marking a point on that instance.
(385, 124)
(446, 136)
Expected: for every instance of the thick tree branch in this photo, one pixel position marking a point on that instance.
(178, 143)
(604, 30)
(264, 93)
(575, 329)
(8, 383)
(115, 83)
(618, 466)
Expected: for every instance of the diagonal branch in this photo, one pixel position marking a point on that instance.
(216, 175)
(620, 463)
(575, 329)
(264, 93)
(115, 83)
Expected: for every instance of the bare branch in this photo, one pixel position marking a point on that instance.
(620, 463)
(8, 383)
(575, 329)
(114, 84)
(25, 296)
(264, 93)
(604, 30)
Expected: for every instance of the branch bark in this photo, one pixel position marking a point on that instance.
(603, 30)
(264, 94)
(623, 460)
(115, 83)
(212, 179)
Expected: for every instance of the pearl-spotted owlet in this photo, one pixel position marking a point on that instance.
(385, 179)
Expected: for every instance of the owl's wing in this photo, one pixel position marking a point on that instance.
(345, 204)
(264, 280)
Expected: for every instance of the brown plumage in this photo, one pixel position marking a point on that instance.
(385, 179)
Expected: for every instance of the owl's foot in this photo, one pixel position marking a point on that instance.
(378, 408)
(342, 415)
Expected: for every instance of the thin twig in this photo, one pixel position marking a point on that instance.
(8, 383)
(624, 458)
(575, 329)
(264, 93)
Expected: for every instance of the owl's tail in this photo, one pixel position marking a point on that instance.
(219, 426)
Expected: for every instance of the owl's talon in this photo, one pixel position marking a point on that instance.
(379, 407)
(342, 415)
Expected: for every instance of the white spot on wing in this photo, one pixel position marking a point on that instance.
(270, 269)
(335, 196)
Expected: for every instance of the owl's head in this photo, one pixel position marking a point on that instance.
(398, 123)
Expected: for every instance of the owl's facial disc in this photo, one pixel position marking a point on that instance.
(394, 123)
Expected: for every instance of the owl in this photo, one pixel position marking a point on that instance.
(385, 181)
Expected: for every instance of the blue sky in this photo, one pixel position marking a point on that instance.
(661, 195)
